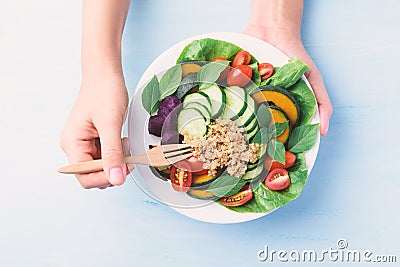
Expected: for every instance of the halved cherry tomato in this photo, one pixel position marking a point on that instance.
(266, 70)
(195, 165)
(270, 164)
(238, 199)
(181, 177)
(277, 179)
(225, 72)
(240, 76)
(241, 58)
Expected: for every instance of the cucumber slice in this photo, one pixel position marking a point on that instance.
(217, 98)
(250, 127)
(192, 123)
(249, 115)
(251, 166)
(249, 136)
(197, 97)
(261, 152)
(252, 174)
(236, 102)
(203, 110)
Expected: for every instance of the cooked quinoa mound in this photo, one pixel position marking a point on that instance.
(223, 145)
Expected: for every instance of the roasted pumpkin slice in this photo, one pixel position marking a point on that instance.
(190, 68)
(279, 116)
(281, 98)
(200, 194)
(203, 179)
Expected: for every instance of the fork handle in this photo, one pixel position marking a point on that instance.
(97, 165)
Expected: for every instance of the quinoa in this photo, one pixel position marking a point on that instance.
(223, 146)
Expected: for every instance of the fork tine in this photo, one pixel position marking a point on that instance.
(176, 153)
(179, 158)
(173, 147)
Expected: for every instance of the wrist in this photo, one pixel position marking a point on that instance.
(100, 66)
(276, 19)
(273, 35)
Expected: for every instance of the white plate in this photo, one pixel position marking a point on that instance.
(140, 139)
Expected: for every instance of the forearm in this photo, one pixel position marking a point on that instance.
(277, 16)
(102, 26)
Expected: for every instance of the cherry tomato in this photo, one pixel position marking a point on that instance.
(277, 179)
(225, 72)
(241, 58)
(270, 164)
(220, 58)
(240, 76)
(266, 70)
(195, 165)
(181, 177)
(240, 198)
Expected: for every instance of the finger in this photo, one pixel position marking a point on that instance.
(323, 100)
(82, 150)
(111, 150)
(126, 146)
(127, 152)
(93, 180)
(324, 115)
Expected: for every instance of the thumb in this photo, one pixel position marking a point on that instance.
(112, 153)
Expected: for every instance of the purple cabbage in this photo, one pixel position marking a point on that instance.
(170, 102)
(163, 111)
(166, 114)
(155, 125)
(171, 137)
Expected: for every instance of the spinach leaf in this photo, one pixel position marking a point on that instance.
(288, 74)
(300, 163)
(210, 72)
(189, 81)
(303, 138)
(265, 200)
(276, 150)
(278, 128)
(151, 96)
(306, 100)
(226, 186)
(263, 116)
(170, 81)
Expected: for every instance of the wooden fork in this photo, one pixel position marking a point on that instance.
(157, 156)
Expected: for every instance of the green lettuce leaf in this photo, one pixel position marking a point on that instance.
(207, 49)
(265, 200)
(306, 100)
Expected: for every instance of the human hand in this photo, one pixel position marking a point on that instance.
(97, 116)
(290, 43)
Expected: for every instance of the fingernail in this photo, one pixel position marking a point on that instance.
(116, 176)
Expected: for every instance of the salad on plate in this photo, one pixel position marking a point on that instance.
(248, 123)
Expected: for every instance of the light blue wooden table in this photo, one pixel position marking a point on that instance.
(353, 192)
